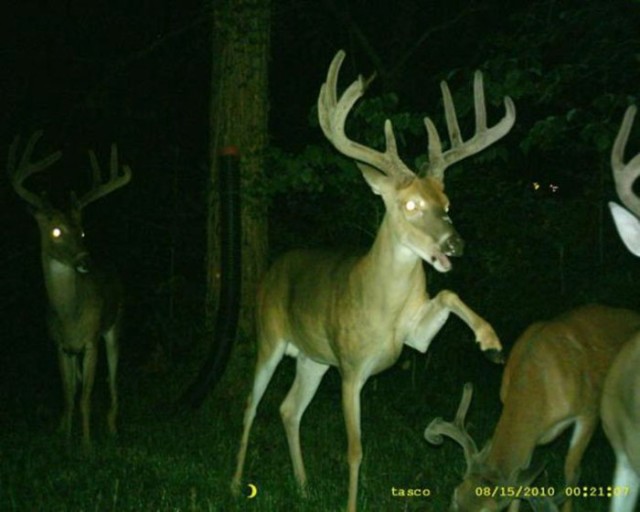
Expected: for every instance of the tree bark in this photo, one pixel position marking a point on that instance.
(238, 117)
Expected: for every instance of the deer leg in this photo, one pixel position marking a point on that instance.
(266, 365)
(68, 372)
(435, 313)
(624, 479)
(88, 377)
(351, 388)
(308, 377)
(582, 432)
(112, 350)
(514, 506)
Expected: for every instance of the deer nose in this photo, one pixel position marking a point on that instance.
(453, 245)
(83, 262)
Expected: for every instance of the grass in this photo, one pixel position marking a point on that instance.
(185, 462)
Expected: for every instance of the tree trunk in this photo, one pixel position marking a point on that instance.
(239, 109)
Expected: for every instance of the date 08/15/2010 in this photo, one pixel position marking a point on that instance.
(523, 491)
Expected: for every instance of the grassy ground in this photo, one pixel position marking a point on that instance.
(184, 462)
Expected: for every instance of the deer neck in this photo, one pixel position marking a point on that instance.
(63, 286)
(391, 266)
(511, 448)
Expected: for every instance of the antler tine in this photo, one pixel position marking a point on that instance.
(19, 172)
(115, 181)
(625, 175)
(450, 115)
(465, 402)
(482, 138)
(332, 115)
(455, 430)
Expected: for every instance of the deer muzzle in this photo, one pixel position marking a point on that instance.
(453, 245)
(82, 263)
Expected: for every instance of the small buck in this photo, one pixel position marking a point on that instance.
(553, 379)
(620, 408)
(356, 313)
(85, 301)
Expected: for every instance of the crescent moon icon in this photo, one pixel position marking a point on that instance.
(253, 491)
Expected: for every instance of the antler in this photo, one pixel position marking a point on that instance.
(332, 115)
(114, 182)
(483, 137)
(333, 112)
(19, 171)
(624, 175)
(455, 430)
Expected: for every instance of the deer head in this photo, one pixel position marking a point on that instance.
(478, 474)
(61, 233)
(416, 205)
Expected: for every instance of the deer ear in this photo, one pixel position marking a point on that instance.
(628, 227)
(378, 181)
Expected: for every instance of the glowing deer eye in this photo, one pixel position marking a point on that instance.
(410, 206)
(56, 232)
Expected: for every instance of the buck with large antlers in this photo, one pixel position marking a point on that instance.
(620, 406)
(356, 313)
(85, 301)
(553, 380)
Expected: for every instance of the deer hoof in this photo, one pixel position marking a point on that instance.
(488, 339)
(494, 355)
(235, 487)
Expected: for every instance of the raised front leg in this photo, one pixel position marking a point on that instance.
(434, 314)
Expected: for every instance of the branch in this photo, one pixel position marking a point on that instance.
(401, 62)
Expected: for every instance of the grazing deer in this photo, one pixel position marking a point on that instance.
(620, 408)
(553, 379)
(356, 313)
(85, 301)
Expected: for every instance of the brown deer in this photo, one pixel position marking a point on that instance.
(85, 300)
(356, 313)
(620, 408)
(553, 380)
